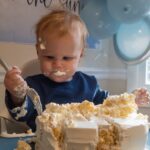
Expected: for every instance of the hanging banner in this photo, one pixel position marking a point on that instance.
(19, 17)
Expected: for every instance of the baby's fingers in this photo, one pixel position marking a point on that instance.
(14, 82)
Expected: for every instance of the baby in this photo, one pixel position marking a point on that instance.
(60, 42)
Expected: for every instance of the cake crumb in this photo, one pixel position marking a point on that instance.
(29, 131)
(22, 145)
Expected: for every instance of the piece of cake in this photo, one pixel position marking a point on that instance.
(82, 135)
(119, 106)
(113, 125)
(22, 145)
(123, 134)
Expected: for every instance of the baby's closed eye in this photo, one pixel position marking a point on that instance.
(50, 57)
(68, 58)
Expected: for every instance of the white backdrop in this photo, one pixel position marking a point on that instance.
(18, 17)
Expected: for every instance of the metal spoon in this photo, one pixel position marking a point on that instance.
(29, 91)
(4, 64)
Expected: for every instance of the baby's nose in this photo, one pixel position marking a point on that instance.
(57, 63)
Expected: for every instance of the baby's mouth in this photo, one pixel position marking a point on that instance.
(59, 73)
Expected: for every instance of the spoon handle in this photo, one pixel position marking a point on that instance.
(4, 64)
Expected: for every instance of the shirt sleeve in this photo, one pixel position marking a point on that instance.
(100, 95)
(22, 113)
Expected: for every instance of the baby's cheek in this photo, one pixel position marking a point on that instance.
(74, 67)
(45, 68)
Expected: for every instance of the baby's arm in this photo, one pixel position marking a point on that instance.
(16, 85)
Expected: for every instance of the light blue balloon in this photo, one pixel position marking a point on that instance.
(128, 11)
(133, 40)
(98, 20)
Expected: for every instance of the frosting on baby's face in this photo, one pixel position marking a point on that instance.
(59, 56)
(59, 73)
(42, 44)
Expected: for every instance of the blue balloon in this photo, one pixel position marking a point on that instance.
(128, 11)
(133, 40)
(92, 42)
(147, 18)
(83, 3)
(98, 20)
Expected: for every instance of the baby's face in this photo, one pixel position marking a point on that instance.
(60, 58)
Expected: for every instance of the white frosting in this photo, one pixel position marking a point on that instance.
(59, 73)
(20, 90)
(20, 111)
(77, 126)
(42, 46)
(134, 137)
(83, 134)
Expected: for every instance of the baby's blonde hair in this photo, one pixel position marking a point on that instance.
(60, 22)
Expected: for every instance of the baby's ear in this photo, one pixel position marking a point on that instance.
(37, 49)
(36, 46)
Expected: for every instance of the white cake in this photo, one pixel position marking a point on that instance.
(114, 125)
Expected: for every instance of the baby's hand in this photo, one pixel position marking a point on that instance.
(14, 82)
(142, 96)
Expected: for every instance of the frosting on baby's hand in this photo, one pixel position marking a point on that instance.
(21, 89)
(142, 96)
